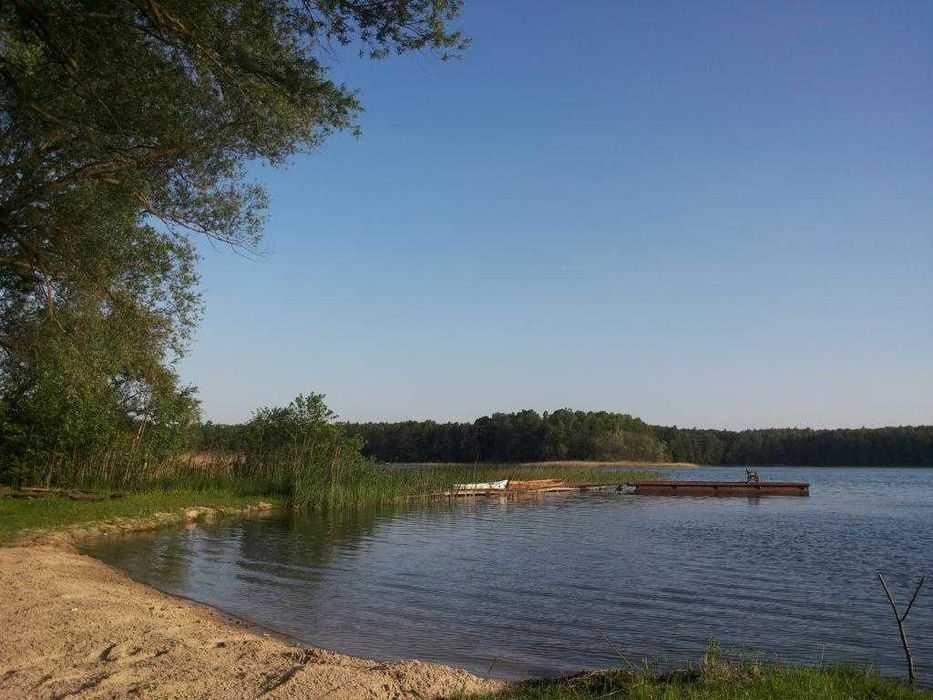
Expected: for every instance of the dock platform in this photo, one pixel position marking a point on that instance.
(721, 488)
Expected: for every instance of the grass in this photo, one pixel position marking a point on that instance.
(721, 681)
(354, 482)
(343, 487)
(370, 484)
(18, 514)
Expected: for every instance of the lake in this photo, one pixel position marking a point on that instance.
(518, 589)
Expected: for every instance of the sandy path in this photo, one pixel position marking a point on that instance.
(72, 627)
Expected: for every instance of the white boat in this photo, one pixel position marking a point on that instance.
(483, 486)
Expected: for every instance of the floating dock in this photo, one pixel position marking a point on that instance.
(525, 489)
(721, 488)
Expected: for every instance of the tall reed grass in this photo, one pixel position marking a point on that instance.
(360, 482)
(321, 479)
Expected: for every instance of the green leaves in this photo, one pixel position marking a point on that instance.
(125, 129)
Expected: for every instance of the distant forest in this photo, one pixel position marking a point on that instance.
(528, 436)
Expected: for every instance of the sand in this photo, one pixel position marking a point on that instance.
(73, 627)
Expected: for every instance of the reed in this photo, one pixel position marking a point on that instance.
(323, 474)
(361, 482)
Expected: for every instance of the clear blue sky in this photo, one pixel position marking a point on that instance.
(712, 214)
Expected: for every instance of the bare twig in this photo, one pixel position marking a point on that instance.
(619, 651)
(905, 641)
(282, 679)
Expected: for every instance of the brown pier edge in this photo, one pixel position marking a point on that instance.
(642, 488)
(722, 488)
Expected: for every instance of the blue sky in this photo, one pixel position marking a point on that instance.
(711, 214)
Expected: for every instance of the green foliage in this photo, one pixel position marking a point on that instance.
(80, 403)
(589, 435)
(895, 446)
(525, 436)
(159, 105)
(298, 450)
(218, 437)
(304, 427)
(85, 350)
(125, 129)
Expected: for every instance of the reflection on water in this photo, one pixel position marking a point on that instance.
(519, 589)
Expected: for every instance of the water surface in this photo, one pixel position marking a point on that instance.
(517, 589)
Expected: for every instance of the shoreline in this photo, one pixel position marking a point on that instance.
(558, 463)
(620, 463)
(69, 535)
(78, 627)
(74, 626)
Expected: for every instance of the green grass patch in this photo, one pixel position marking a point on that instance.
(721, 682)
(52, 513)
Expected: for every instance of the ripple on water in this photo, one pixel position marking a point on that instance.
(520, 589)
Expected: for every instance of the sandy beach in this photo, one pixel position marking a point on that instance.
(73, 627)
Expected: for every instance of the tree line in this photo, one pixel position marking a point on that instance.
(523, 436)
(858, 447)
(529, 436)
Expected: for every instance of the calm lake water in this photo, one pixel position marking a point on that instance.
(519, 589)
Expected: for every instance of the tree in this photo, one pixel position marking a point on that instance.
(125, 129)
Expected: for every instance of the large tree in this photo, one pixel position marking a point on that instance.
(125, 129)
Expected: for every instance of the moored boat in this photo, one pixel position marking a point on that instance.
(500, 485)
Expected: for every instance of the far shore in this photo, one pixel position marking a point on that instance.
(568, 463)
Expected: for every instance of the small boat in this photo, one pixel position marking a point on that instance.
(721, 488)
(483, 486)
(521, 489)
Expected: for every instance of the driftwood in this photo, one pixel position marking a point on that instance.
(905, 640)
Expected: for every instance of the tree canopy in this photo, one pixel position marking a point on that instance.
(524, 436)
(126, 127)
(598, 435)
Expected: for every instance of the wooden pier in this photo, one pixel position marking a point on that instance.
(721, 488)
(638, 488)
